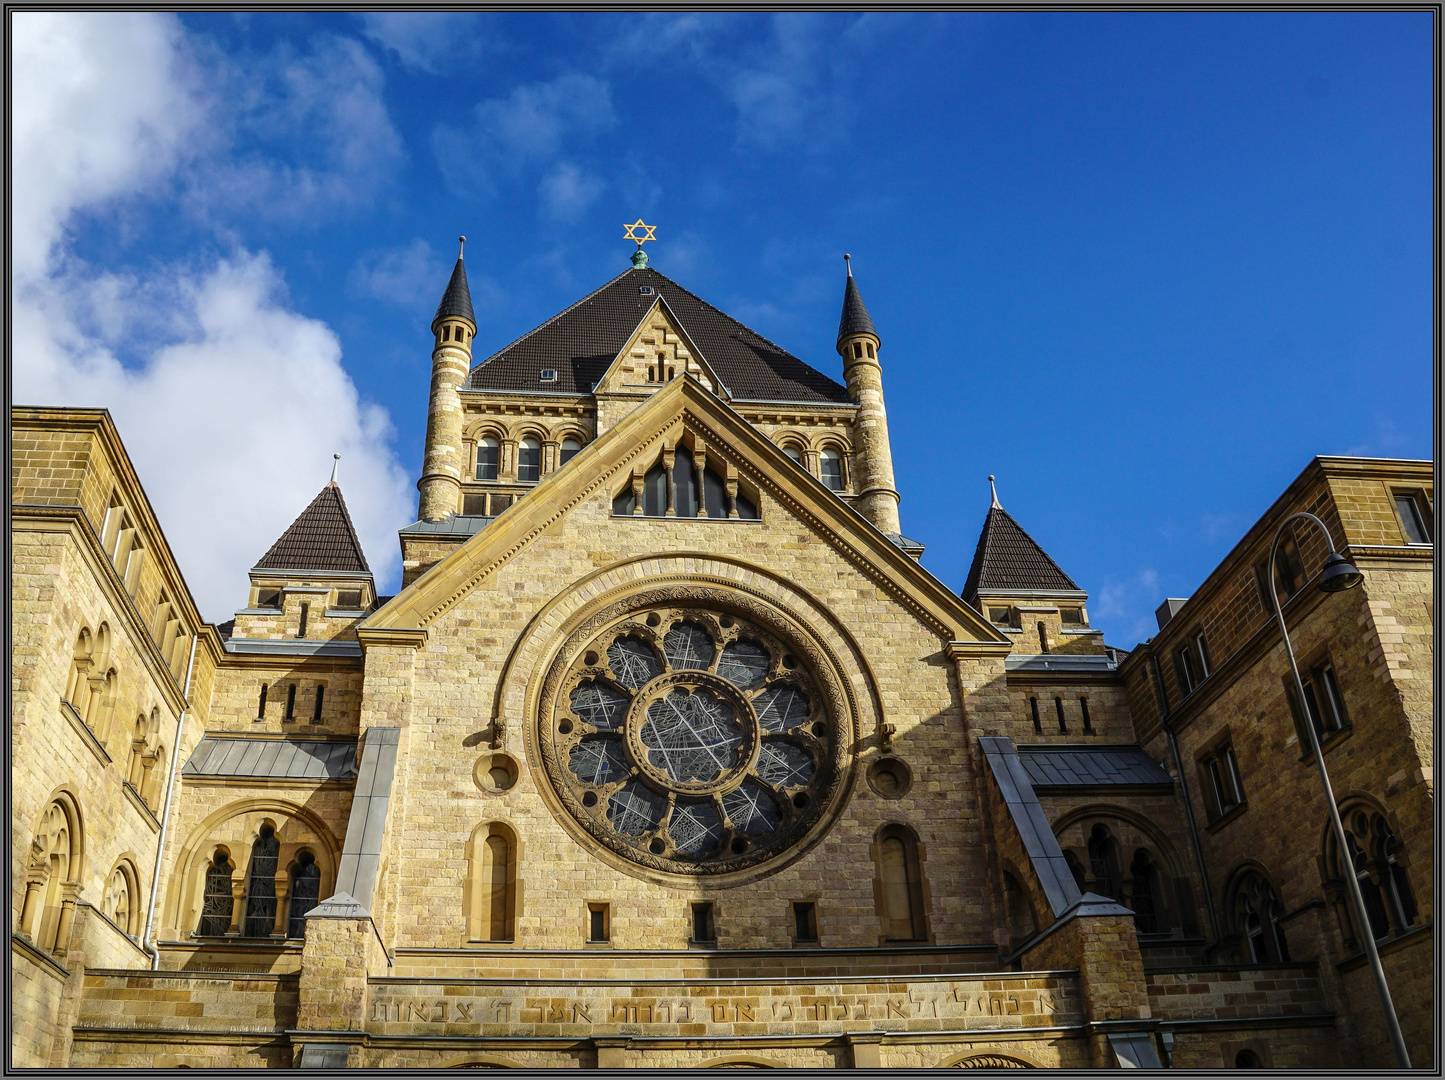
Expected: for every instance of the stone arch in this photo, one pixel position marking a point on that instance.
(121, 899)
(484, 1061)
(1253, 912)
(899, 888)
(686, 577)
(492, 890)
(972, 1059)
(740, 1061)
(1380, 860)
(235, 828)
(81, 661)
(484, 426)
(54, 872)
(1131, 831)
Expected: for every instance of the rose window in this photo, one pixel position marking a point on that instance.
(690, 740)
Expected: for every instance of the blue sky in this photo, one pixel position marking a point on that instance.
(1141, 266)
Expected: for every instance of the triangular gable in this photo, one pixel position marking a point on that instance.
(681, 405)
(659, 343)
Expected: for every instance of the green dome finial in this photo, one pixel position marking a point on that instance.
(639, 258)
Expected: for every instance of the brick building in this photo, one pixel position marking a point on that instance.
(670, 753)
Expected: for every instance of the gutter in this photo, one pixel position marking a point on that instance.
(149, 949)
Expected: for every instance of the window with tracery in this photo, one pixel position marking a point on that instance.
(305, 893)
(684, 488)
(217, 902)
(1257, 915)
(690, 739)
(261, 885)
(118, 902)
(1377, 859)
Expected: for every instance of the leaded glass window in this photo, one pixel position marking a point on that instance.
(217, 902)
(690, 737)
(261, 885)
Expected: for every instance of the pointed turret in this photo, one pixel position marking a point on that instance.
(453, 329)
(1015, 583)
(858, 345)
(314, 581)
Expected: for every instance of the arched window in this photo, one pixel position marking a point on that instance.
(119, 901)
(492, 904)
(489, 456)
(1076, 868)
(1377, 859)
(568, 450)
(899, 884)
(691, 489)
(1104, 862)
(1247, 1059)
(305, 893)
(77, 685)
(55, 860)
(830, 469)
(135, 769)
(217, 903)
(529, 461)
(261, 884)
(794, 453)
(1144, 893)
(1256, 912)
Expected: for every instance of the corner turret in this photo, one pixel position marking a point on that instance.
(453, 329)
(858, 345)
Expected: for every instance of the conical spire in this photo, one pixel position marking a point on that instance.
(1009, 558)
(321, 538)
(457, 300)
(855, 318)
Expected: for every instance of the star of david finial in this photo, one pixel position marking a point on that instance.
(639, 257)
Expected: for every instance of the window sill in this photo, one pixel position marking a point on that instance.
(140, 804)
(1385, 946)
(598, 944)
(92, 742)
(701, 944)
(1228, 816)
(1328, 743)
(676, 517)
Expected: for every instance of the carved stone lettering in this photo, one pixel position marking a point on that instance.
(895, 1008)
(504, 1012)
(580, 1013)
(416, 1010)
(742, 1012)
(464, 1009)
(719, 1012)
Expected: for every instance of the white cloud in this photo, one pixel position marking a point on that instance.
(532, 124)
(567, 192)
(411, 276)
(1124, 609)
(429, 41)
(234, 402)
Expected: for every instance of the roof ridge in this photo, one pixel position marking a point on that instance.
(542, 326)
(350, 528)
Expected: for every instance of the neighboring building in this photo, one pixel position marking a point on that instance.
(670, 752)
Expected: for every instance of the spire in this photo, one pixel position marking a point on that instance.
(855, 318)
(321, 538)
(1009, 558)
(994, 491)
(457, 300)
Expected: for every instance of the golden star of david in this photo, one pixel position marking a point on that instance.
(631, 233)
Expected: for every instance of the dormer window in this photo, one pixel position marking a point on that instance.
(645, 290)
(548, 375)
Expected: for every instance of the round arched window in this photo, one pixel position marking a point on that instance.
(569, 449)
(690, 740)
(529, 461)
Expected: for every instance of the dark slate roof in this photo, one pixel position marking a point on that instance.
(226, 629)
(581, 343)
(855, 318)
(1091, 766)
(457, 300)
(322, 538)
(456, 525)
(1009, 558)
(272, 759)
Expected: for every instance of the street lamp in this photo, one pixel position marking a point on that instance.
(1337, 576)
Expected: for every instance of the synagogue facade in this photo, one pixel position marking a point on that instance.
(671, 753)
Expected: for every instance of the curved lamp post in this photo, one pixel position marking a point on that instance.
(1337, 576)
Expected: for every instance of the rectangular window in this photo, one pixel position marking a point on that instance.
(598, 929)
(1414, 510)
(500, 503)
(1289, 575)
(269, 598)
(261, 705)
(474, 505)
(529, 461)
(805, 921)
(1000, 615)
(350, 600)
(702, 924)
(1322, 698)
(1084, 710)
(290, 716)
(1223, 790)
(1034, 710)
(301, 629)
(489, 454)
(320, 694)
(1071, 616)
(1187, 667)
(1059, 708)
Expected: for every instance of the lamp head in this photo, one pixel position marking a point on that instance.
(1339, 574)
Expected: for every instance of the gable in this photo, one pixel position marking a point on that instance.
(658, 350)
(684, 412)
(582, 342)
